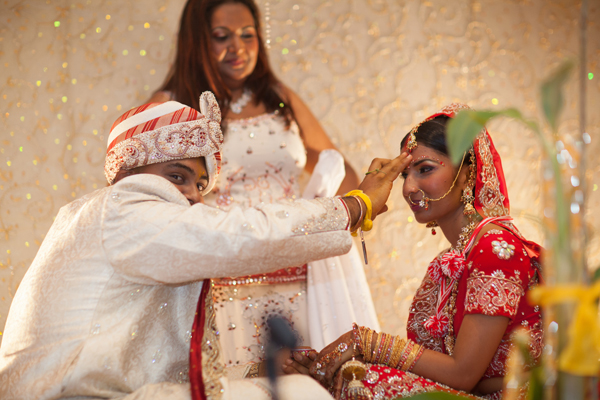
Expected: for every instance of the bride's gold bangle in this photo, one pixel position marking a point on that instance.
(397, 350)
(367, 348)
(414, 355)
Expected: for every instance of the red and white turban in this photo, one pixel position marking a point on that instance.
(159, 132)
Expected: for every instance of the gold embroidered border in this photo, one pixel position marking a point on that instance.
(422, 307)
(212, 367)
(334, 218)
(490, 196)
(490, 293)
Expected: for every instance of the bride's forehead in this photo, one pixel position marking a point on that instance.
(422, 152)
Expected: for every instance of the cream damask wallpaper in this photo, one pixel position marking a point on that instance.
(369, 69)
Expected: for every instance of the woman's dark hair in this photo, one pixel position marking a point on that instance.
(433, 135)
(195, 69)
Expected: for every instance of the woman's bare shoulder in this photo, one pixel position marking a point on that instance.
(284, 92)
(160, 97)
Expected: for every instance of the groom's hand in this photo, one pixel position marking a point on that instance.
(299, 363)
(378, 184)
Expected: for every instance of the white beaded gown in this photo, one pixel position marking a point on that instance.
(262, 162)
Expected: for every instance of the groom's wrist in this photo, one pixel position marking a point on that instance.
(354, 210)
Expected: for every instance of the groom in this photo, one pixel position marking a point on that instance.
(107, 307)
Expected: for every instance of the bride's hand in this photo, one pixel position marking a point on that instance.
(331, 358)
(378, 183)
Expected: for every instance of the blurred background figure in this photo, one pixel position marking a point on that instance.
(271, 136)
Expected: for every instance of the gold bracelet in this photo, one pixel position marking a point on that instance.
(356, 338)
(385, 348)
(377, 344)
(415, 354)
(377, 352)
(419, 354)
(390, 350)
(375, 337)
(405, 353)
(397, 352)
(367, 346)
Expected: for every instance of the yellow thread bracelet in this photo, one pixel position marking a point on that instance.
(367, 223)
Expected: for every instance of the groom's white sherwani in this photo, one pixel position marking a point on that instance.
(107, 306)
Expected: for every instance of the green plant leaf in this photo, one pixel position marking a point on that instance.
(462, 130)
(552, 93)
(466, 125)
(536, 384)
(436, 396)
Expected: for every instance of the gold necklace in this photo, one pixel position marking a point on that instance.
(465, 235)
(450, 309)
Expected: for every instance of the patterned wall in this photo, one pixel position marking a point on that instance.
(369, 69)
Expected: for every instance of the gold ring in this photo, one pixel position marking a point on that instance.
(373, 172)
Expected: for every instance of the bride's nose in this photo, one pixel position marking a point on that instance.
(409, 187)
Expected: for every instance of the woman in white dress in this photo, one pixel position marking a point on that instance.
(270, 138)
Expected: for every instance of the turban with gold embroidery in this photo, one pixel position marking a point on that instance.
(160, 132)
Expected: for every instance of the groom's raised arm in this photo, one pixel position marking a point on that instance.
(167, 241)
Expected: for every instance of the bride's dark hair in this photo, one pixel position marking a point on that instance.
(195, 69)
(432, 134)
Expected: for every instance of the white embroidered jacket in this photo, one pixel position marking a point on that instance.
(107, 306)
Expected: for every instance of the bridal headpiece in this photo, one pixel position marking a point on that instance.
(491, 195)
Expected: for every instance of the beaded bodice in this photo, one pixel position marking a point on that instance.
(262, 161)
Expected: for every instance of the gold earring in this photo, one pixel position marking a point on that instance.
(432, 225)
(467, 196)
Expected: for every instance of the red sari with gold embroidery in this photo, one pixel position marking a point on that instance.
(499, 269)
(495, 282)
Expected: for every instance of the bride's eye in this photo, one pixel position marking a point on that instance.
(425, 169)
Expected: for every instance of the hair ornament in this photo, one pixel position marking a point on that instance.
(412, 140)
(450, 110)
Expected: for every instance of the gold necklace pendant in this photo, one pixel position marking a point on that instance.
(450, 339)
(465, 235)
(450, 309)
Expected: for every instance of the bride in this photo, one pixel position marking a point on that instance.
(472, 298)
